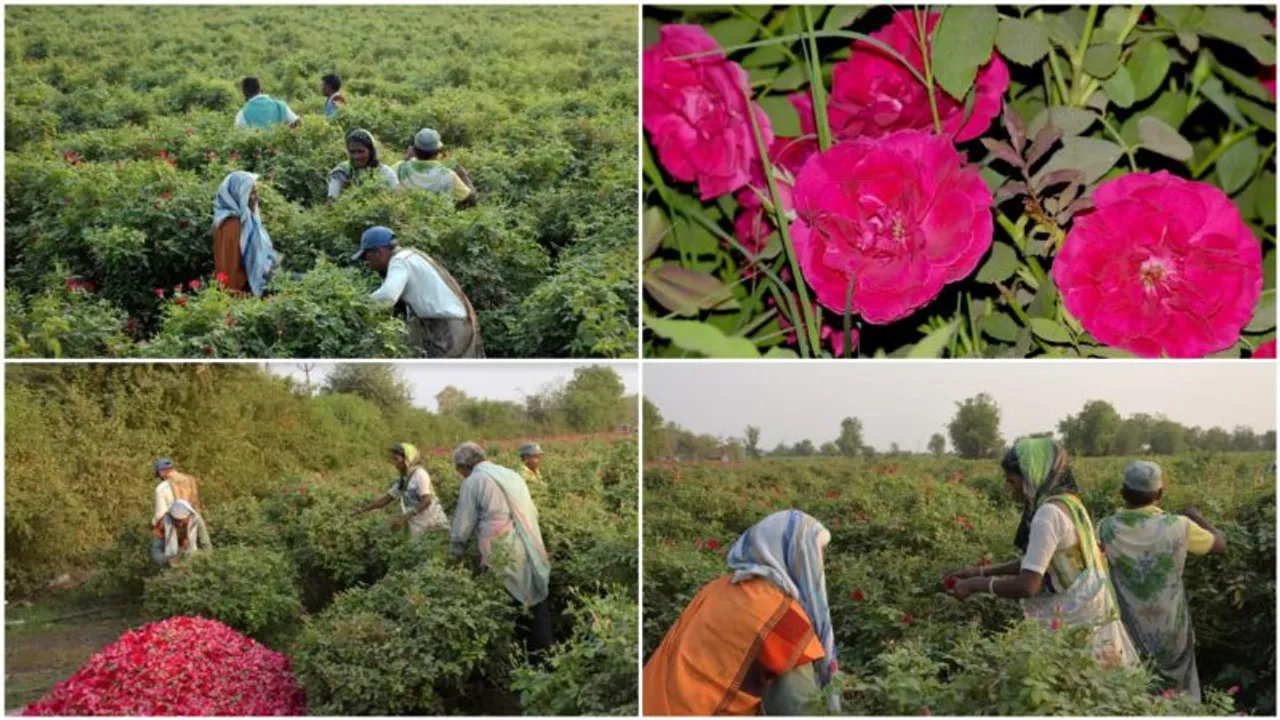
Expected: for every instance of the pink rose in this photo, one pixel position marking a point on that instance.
(873, 95)
(695, 111)
(1266, 350)
(752, 224)
(1161, 266)
(901, 216)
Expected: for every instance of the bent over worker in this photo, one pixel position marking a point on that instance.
(442, 323)
(174, 486)
(757, 639)
(419, 506)
(178, 535)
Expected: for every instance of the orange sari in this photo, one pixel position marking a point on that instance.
(729, 646)
(227, 258)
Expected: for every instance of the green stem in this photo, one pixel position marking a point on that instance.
(1063, 95)
(841, 34)
(764, 30)
(1128, 151)
(923, 39)
(1077, 58)
(1135, 14)
(1227, 142)
(815, 85)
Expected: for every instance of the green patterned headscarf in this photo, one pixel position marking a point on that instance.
(412, 461)
(1043, 465)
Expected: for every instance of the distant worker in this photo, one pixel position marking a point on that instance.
(1061, 559)
(758, 640)
(330, 85)
(495, 506)
(441, 321)
(530, 460)
(179, 534)
(243, 255)
(419, 506)
(174, 486)
(262, 111)
(421, 169)
(1148, 549)
(361, 165)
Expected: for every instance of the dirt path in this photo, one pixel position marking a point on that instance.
(38, 653)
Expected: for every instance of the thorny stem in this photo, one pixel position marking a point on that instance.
(922, 24)
(1077, 58)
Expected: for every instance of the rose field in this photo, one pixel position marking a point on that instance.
(905, 647)
(298, 608)
(119, 129)
(991, 182)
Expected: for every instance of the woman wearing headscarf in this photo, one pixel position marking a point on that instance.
(757, 639)
(419, 506)
(1062, 576)
(242, 252)
(179, 534)
(361, 164)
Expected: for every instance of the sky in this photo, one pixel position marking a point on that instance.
(907, 401)
(492, 380)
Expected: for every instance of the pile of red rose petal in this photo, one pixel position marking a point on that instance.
(180, 666)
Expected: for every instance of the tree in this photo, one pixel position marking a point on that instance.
(1268, 441)
(1216, 439)
(752, 434)
(1093, 431)
(829, 449)
(805, 448)
(850, 440)
(379, 384)
(975, 429)
(1243, 439)
(781, 450)
(733, 448)
(1128, 439)
(894, 450)
(1168, 437)
(593, 399)
(657, 442)
(938, 445)
(450, 400)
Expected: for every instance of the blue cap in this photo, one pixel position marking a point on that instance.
(1143, 476)
(164, 464)
(373, 238)
(427, 140)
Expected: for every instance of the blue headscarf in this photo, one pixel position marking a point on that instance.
(232, 200)
(786, 549)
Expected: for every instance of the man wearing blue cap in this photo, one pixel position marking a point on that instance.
(530, 460)
(441, 321)
(422, 170)
(174, 486)
(1147, 549)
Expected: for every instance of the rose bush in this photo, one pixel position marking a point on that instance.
(208, 669)
(1040, 111)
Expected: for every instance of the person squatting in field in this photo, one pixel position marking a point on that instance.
(1147, 549)
(243, 256)
(441, 321)
(494, 505)
(262, 111)
(530, 460)
(759, 639)
(174, 486)
(362, 165)
(178, 534)
(422, 170)
(419, 506)
(330, 87)
(1062, 577)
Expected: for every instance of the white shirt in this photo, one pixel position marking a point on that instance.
(1051, 531)
(290, 117)
(164, 498)
(415, 281)
(387, 174)
(418, 487)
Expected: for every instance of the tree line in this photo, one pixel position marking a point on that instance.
(973, 432)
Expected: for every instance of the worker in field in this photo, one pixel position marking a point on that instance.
(1147, 549)
(419, 506)
(530, 461)
(1063, 575)
(243, 256)
(494, 505)
(441, 321)
(362, 165)
(172, 487)
(262, 111)
(756, 641)
(330, 88)
(178, 534)
(422, 170)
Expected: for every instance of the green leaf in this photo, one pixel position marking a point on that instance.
(733, 31)
(962, 43)
(782, 114)
(1002, 264)
(1120, 88)
(842, 16)
(701, 338)
(1240, 27)
(933, 344)
(1179, 16)
(1091, 156)
(1245, 84)
(652, 31)
(1001, 327)
(1066, 27)
(1101, 61)
(1022, 41)
(1148, 65)
(656, 228)
(764, 57)
(1157, 136)
(792, 78)
(1237, 164)
(1217, 94)
(1265, 116)
(1050, 331)
(1266, 202)
(779, 353)
(1264, 316)
(1071, 121)
(1269, 270)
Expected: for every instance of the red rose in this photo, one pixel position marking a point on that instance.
(695, 111)
(1233, 690)
(858, 596)
(194, 284)
(181, 301)
(160, 292)
(899, 217)
(950, 582)
(712, 544)
(166, 195)
(906, 619)
(222, 278)
(208, 350)
(1265, 350)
